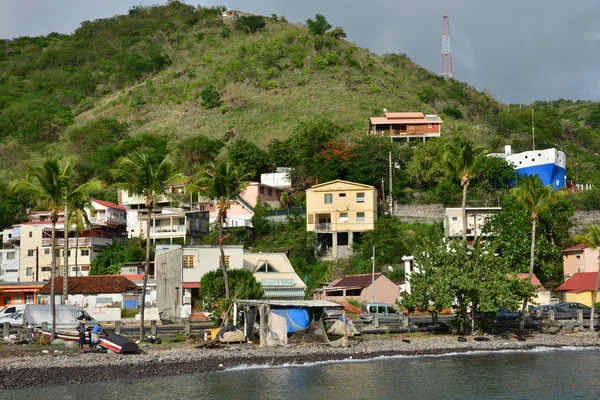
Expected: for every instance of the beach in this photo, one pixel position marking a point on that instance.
(23, 366)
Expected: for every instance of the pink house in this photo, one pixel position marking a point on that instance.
(360, 287)
(242, 210)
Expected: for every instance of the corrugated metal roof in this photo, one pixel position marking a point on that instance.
(404, 115)
(289, 303)
(284, 293)
(579, 282)
(577, 247)
(384, 120)
(534, 280)
(109, 204)
(94, 284)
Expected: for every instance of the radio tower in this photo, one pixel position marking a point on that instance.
(446, 56)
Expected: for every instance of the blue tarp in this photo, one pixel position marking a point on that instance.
(297, 318)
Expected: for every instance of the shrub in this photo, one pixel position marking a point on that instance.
(210, 97)
(425, 94)
(225, 32)
(453, 112)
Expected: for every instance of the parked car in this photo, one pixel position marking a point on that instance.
(543, 311)
(13, 319)
(332, 313)
(11, 309)
(569, 310)
(385, 312)
(562, 311)
(503, 314)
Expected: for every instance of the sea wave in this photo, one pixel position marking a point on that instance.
(350, 359)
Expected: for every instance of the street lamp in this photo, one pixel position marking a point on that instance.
(373, 277)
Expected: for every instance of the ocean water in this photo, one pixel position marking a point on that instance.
(567, 373)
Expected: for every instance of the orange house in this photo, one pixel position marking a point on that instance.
(19, 292)
(361, 288)
(407, 125)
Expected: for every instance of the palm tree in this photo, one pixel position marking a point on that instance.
(139, 175)
(463, 160)
(79, 217)
(46, 185)
(592, 240)
(222, 182)
(74, 198)
(535, 198)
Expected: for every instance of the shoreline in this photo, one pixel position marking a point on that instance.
(19, 371)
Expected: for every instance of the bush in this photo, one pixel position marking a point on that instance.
(210, 97)
(129, 312)
(453, 112)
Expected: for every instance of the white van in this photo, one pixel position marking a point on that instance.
(67, 317)
(11, 309)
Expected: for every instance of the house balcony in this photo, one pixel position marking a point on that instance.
(324, 227)
(167, 229)
(103, 221)
(80, 242)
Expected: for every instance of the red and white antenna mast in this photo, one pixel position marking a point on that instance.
(446, 56)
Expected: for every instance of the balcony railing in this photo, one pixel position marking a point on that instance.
(81, 242)
(323, 227)
(167, 229)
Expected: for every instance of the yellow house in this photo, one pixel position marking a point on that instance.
(579, 288)
(339, 211)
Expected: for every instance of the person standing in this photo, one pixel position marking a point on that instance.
(81, 330)
(95, 332)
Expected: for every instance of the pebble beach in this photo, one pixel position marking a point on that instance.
(22, 366)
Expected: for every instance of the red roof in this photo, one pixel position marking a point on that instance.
(99, 284)
(579, 282)
(362, 281)
(577, 247)
(534, 279)
(190, 285)
(134, 277)
(109, 204)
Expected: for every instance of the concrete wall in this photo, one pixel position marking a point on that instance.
(386, 291)
(169, 291)
(427, 213)
(582, 219)
(206, 259)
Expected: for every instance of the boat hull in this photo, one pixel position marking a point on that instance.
(110, 341)
(549, 165)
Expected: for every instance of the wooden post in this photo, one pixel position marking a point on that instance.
(405, 320)
(376, 319)
(118, 327)
(153, 327)
(188, 326)
(235, 314)
(263, 325)
(551, 315)
(345, 340)
(580, 316)
(6, 329)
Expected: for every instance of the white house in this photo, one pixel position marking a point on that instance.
(276, 275)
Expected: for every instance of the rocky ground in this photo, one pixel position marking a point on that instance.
(35, 366)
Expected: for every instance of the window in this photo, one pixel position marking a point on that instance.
(360, 217)
(454, 218)
(46, 251)
(270, 192)
(188, 261)
(29, 271)
(360, 197)
(226, 262)
(10, 256)
(262, 190)
(30, 234)
(430, 125)
(85, 252)
(181, 221)
(7, 300)
(30, 253)
(45, 269)
(343, 217)
(266, 267)
(342, 194)
(68, 253)
(328, 198)
(391, 310)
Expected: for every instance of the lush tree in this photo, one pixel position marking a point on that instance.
(335, 161)
(474, 277)
(197, 150)
(250, 157)
(262, 226)
(10, 208)
(593, 120)
(46, 185)
(535, 198)
(109, 261)
(463, 161)
(318, 26)
(223, 183)
(250, 23)
(210, 97)
(426, 166)
(138, 175)
(213, 289)
(591, 238)
(497, 173)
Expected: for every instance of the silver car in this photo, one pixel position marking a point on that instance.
(13, 319)
(385, 313)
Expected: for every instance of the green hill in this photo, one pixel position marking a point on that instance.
(162, 75)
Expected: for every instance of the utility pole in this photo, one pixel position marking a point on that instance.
(37, 264)
(373, 278)
(533, 128)
(391, 199)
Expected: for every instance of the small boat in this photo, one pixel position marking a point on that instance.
(108, 340)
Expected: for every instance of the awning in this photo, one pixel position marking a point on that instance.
(190, 285)
(299, 293)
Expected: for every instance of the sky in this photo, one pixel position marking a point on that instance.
(518, 50)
